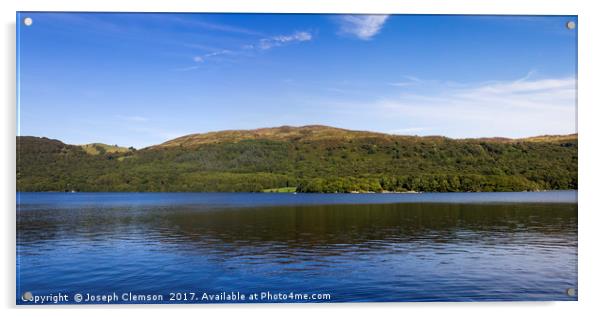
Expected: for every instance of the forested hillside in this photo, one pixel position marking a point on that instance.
(310, 159)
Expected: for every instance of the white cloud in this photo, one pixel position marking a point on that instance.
(263, 44)
(204, 57)
(197, 23)
(218, 53)
(410, 80)
(524, 86)
(185, 69)
(362, 26)
(279, 40)
(524, 107)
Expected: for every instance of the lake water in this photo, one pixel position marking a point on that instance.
(320, 247)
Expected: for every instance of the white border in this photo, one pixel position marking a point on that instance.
(589, 153)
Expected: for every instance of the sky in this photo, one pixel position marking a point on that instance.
(138, 79)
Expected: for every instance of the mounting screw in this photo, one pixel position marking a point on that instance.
(571, 25)
(571, 292)
(27, 296)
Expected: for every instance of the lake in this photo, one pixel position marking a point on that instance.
(163, 247)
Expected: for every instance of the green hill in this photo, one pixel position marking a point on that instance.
(101, 148)
(309, 158)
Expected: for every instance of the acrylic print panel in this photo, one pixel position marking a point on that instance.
(278, 158)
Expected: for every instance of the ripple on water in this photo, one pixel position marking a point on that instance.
(413, 251)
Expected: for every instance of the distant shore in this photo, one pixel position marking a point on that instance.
(294, 192)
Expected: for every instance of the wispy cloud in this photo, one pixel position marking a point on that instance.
(363, 27)
(186, 69)
(409, 81)
(524, 88)
(521, 107)
(200, 22)
(204, 57)
(218, 53)
(263, 44)
(279, 40)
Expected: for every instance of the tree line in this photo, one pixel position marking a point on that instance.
(362, 164)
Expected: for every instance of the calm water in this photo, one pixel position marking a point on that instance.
(353, 247)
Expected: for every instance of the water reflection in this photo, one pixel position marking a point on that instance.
(407, 251)
(306, 226)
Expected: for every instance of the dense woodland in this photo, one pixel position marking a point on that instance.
(310, 159)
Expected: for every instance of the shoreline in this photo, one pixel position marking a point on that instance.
(265, 192)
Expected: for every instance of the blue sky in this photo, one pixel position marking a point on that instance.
(142, 79)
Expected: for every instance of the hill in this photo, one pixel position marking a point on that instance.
(283, 133)
(101, 148)
(308, 159)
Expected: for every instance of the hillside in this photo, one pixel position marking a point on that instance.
(100, 148)
(284, 133)
(308, 158)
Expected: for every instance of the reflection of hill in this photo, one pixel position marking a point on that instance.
(327, 230)
(309, 226)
